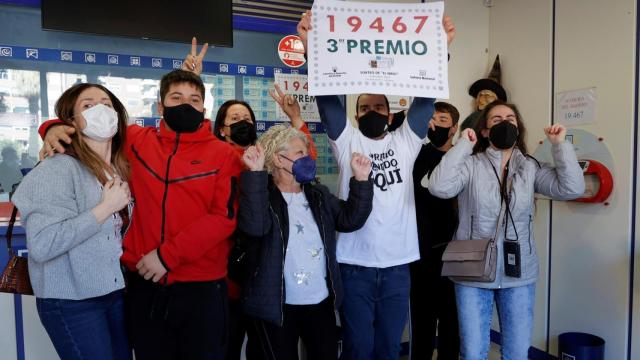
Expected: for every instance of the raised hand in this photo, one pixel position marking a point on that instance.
(470, 135)
(450, 28)
(193, 61)
(360, 166)
(555, 133)
(53, 140)
(303, 27)
(289, 105)
(432, 125)
(253, 158)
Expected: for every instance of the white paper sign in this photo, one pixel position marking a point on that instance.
(576, 107)
(296, 85)
(392, 49)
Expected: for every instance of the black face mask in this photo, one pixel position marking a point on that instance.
(439, 136)
(503, 135)
(373, 124)
(243, 133)
(183, 118)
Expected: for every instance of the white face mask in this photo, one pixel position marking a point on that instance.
(102, 122)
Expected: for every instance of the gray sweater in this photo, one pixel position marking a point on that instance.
(71, 256)
(473, 180)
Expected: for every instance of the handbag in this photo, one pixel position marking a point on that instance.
(15, 276)
(473, 259)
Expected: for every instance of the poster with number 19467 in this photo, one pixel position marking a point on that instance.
(393, 49)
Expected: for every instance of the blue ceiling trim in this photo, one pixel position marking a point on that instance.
(251, 23)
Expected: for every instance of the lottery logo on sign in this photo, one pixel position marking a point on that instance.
(32, 53)
(177, 64)
(156, 63)
(277, 71)
(66, 56)
(291, 51)
(261, 126)
(224, 68)
(134, 61)
(112, 59)
(90, 58)
(295, 71)
(6, 51)
(242, 69)
(140, 122)
(259, 70)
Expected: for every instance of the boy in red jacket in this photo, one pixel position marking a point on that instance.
(184, 181)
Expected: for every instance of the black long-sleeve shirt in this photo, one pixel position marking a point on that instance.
(437, 218)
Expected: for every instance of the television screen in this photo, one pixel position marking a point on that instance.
(170, 20)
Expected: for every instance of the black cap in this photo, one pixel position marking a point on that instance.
(488, 84)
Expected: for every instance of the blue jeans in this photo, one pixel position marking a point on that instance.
(515, 313)
(374, 311)
(86, 329)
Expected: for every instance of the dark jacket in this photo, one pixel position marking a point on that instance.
(263, 216)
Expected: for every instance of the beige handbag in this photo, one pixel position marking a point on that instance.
(473, 259)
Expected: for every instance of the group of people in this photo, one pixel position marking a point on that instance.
(211, 233)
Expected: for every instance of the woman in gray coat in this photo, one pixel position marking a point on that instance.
(75, 208)
(486, 171)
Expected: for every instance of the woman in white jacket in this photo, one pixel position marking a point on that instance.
(487, 166)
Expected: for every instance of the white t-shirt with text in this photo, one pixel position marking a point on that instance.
(390, 235)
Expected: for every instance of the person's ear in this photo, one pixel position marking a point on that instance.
(160, 108)
(454, 130)
(390, 119)
(277, 162)
(485, 133)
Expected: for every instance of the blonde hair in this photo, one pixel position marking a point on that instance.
(277, 139)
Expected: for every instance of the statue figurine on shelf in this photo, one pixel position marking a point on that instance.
(485, 91)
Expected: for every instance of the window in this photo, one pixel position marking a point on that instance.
(57, 83)
(139, 96)
(19, 119)
(218, 90)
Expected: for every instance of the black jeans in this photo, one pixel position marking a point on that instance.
(240, 325)
(433, 307)
(314, 324)
(179, 321)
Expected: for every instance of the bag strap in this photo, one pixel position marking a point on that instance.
(9, 233)
(505, 187)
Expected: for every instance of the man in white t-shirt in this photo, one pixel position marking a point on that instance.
(374, 260)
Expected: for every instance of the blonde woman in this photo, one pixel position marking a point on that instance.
(295, 285)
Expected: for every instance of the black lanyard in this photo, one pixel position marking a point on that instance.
(505, 195)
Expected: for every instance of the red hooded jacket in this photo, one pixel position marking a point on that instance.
(185, 189)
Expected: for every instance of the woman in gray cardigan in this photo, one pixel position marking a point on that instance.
(486, 171)
(74, 209)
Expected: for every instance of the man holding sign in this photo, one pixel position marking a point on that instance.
(374, 260)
